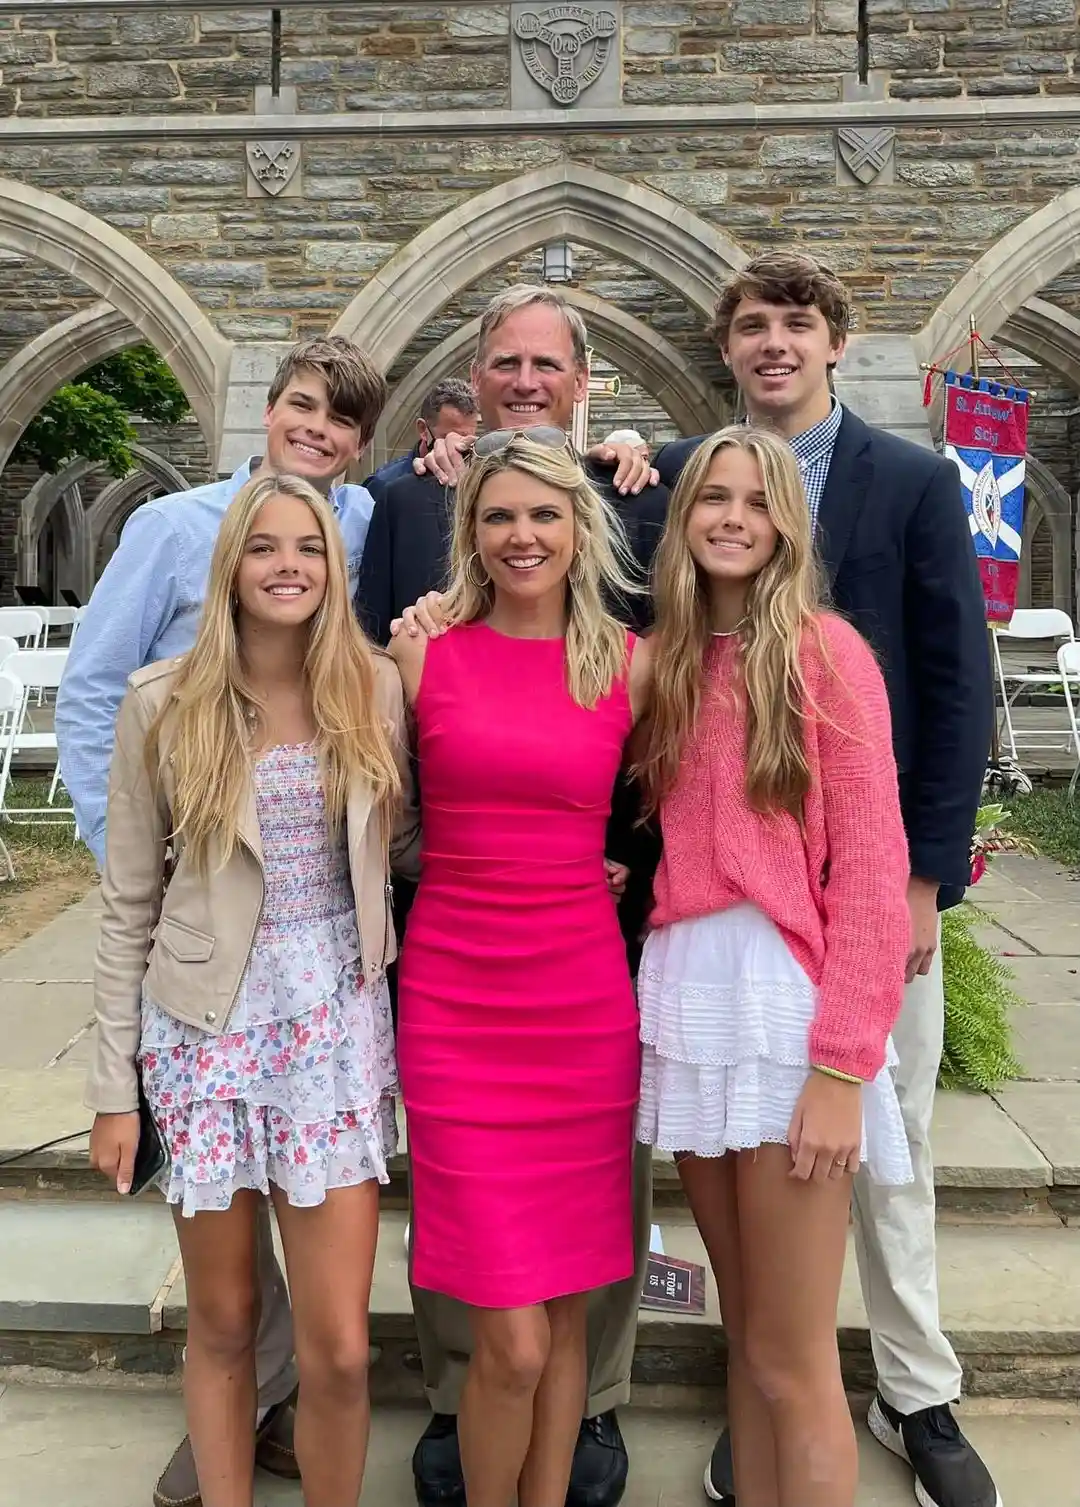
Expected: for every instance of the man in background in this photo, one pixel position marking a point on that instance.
(449, 408)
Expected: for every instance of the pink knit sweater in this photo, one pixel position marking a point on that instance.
(837, 889)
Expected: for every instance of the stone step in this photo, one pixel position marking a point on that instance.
(87, 1447)
(1017, 1153)
(90, 1285)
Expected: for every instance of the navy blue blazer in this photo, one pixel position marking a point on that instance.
(380, 481)
(894, 539)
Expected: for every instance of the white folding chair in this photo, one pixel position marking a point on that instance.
(8, 647)
(11, 699)
(38, 671)
(24, 623)
(1068, 660)
(1027, 625)
(57, 617)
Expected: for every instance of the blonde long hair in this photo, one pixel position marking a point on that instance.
(783, 605)
(602, 571)
(202, 731)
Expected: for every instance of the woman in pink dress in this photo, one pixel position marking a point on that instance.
(517, 1033)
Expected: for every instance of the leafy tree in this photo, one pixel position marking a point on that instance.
(91, 417)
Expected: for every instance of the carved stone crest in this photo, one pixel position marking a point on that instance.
(566, 47)
(273, 164)
(867, 151)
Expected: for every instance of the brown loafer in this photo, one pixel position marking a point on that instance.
(179, 1483)
(274, 1443)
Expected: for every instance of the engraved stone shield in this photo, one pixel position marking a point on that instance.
(866, 150)
(273, 164)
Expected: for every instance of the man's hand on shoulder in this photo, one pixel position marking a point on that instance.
(446, 460)
(633, 473)
(424, 618)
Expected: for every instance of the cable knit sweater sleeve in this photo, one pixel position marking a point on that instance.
(864, 896)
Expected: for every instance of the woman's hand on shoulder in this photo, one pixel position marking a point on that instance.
(640, 678)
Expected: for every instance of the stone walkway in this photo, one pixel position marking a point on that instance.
(102, 1448)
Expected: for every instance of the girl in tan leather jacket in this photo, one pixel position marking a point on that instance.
(258, 789)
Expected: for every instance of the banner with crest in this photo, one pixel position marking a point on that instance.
(986, 435)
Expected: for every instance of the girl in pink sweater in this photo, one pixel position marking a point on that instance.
(776, 967)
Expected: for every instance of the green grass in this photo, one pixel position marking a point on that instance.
(1050, 820)
(49, 864)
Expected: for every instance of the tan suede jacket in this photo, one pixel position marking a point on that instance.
(189, 935)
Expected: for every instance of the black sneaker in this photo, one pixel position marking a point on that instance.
(598, 1474)
(719, 1480)
(436, 1464)
(948, 1472)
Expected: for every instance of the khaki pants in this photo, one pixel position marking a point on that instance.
(275, 1366)
(895, 1227)
(442, 1324)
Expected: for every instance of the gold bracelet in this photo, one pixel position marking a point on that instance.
(832, 1072)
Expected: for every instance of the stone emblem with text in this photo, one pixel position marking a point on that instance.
(566, 48)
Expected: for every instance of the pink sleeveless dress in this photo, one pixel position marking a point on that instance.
(517, 1024)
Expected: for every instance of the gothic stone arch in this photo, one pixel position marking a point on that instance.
(1048, 335)
(54, 357)
(1031, 255)
(564, 202)
(49, 229)
(49, 490)
(638, 352)
(1048, 499)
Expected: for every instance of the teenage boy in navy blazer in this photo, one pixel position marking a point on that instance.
(892, 533)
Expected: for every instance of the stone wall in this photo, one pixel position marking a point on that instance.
(444, 57)
(34, 297)
(281, 268)
(634, 408)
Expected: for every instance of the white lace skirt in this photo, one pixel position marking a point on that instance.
(726, 1013)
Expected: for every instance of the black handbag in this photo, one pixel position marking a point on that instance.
(150, 1156)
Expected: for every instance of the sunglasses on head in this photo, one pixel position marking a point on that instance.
(501, 439)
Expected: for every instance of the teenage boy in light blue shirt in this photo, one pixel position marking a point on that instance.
(321, 411)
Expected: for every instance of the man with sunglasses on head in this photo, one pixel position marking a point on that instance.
(529, 371)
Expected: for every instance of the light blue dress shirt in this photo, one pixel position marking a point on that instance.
(146, 607)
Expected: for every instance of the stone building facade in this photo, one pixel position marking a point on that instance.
(196, 177)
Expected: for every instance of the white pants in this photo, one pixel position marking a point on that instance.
(895, 1226)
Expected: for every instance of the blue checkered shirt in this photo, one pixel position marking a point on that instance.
(813, 450)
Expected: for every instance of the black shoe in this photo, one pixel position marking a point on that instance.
(719, 1480)
(948, 1472)
(598, 1474)
(436, 1464)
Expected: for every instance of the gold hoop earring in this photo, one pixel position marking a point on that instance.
(576, 573)
(479, 585)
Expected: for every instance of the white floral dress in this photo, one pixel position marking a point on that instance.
(300, 1090)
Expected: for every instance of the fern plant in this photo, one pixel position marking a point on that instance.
(978, 998)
